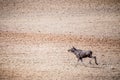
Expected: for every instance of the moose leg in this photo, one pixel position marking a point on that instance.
(90, 56)
(90, 62)
(81, 59)
(77, 62)
(95, 59)
(82, 62)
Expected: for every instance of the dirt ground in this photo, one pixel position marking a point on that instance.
(36, 34)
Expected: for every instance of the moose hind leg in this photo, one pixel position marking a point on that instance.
(90, 56)
(90, 62)
(95, 59)
(77, 62)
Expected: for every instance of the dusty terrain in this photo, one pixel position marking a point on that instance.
(36, 34)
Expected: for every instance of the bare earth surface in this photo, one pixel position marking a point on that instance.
(36, 34)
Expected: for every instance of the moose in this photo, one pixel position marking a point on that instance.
(80, 54)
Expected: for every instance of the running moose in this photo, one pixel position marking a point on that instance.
(80, 54)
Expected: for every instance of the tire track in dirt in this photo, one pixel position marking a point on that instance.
(34, 38)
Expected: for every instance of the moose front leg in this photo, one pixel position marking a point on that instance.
(82, 62)
(77, 62)
(81, 59)
(78, 59)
